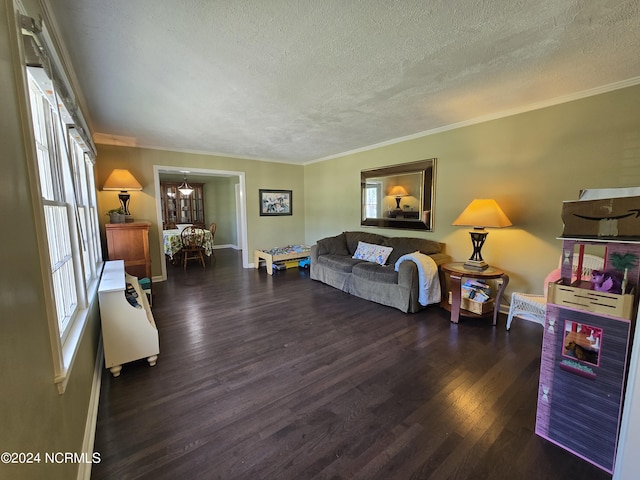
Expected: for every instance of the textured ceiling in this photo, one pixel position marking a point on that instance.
(302, 80)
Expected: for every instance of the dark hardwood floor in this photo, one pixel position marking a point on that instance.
(282, 377)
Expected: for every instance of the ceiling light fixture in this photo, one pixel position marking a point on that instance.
(185, 188)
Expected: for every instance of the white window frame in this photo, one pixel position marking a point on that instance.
(87, 209)
(61, 169)
(373, 210)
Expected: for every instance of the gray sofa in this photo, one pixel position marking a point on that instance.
(332, 263)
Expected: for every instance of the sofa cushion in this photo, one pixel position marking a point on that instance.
(340, 263)
(403, 245)
(354, 237)
(333, 245)
(375, 273)
(370, 252)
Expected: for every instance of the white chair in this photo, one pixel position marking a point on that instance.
(534, 307)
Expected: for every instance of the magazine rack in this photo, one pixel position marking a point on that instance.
(128, 332)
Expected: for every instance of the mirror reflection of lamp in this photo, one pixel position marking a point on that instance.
(121, 180)
(398, 191)
(480, 214)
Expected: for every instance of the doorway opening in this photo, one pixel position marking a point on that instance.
(229, 212)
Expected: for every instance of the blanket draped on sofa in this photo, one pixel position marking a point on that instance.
(428, 282)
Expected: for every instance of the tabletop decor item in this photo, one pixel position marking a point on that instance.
(116, 215)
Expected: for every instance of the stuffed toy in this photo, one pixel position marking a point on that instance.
(606, 282)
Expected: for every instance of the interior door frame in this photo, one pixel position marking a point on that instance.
(241, 205)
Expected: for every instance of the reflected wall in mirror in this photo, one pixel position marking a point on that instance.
(399, 196)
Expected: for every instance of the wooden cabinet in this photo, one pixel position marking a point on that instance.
(130, 242)
(179, 208)
(585, 356)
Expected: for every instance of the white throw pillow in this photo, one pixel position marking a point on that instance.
(372, 253)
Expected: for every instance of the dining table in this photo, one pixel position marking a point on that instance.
(172, 242)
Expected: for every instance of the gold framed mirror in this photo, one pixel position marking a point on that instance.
(399, 196)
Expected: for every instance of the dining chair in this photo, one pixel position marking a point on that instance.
(534, 307)
(192, 249)
(212, 229)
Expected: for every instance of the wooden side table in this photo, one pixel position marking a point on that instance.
(456, 272)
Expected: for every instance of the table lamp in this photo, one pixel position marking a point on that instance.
(398, 191)
(481, 214)
(121, 180)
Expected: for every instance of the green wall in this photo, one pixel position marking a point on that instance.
(528, 162)
(33, 416)
(220, 207)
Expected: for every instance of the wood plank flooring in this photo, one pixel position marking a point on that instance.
(282, 377)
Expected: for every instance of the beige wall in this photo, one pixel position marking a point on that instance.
(262, 232)
(33, 416)
(529, 163)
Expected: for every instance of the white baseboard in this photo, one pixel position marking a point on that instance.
(228, 245)
(84, 471)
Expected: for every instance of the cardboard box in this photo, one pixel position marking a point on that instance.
(602, 218)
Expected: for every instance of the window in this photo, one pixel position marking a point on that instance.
(84, 184)
(373, 205)
(67, 190)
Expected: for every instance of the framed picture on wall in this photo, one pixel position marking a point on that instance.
(275, 202)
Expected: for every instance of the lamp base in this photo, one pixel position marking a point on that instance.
(124, 197)
(479, 265)
(476, 262)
